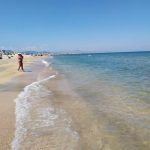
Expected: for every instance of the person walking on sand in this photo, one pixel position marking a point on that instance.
(20, 62)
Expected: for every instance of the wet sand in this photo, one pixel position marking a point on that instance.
(11, 83)
(7, 118)
(77, 124)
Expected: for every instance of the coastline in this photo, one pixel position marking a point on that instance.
(67, 115)
(12, 83)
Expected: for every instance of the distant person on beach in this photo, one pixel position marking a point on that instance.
(20, 61)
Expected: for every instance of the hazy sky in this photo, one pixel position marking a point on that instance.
(89, 25)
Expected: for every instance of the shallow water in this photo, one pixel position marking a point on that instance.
(90, 102)
(116, 86)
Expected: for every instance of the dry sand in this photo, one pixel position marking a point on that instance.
(8, 67)
(9, 89)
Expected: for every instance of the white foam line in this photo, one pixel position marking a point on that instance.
(46, 63)
(22, 110)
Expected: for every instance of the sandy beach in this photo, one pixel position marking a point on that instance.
(12, 82)
(56, 105)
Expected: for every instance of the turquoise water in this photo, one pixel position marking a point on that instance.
(86, 102)
(130, 71)
(116, 86)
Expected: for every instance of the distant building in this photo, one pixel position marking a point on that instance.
(6, 54)
(1, 55)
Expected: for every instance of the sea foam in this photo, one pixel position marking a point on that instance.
(23, 106)
(47, 64)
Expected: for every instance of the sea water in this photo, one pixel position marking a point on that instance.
(117, 88)
(92, 102)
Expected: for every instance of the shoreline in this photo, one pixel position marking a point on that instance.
(55, 111)
(12, 83)
(64, 106)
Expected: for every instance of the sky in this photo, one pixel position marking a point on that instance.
(72, 25)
